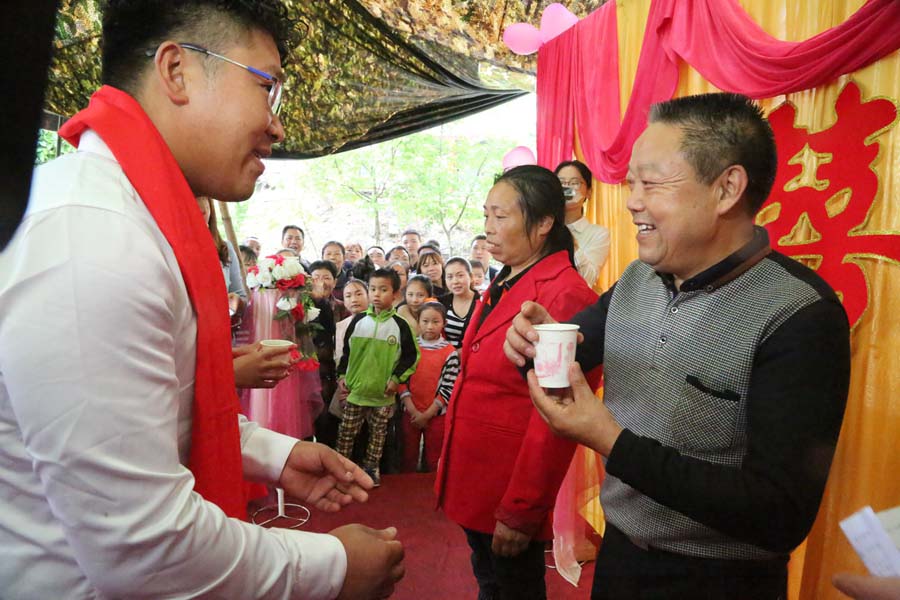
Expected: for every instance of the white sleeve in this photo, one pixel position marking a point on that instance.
(89, 362)
(591, 254)
(264, 451)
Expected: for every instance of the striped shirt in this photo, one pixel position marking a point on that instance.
(435, 375)
(456, 325)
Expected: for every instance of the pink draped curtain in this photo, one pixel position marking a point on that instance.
(578, 82)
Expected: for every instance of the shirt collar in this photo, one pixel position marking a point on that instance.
(383, 315)
(727, 269)
(579, 225)
(93, 143)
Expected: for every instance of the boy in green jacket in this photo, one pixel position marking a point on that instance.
(380, 353)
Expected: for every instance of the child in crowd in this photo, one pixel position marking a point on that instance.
(248, 256)
(461, 300)
(479, 276)
(402, 269)
(426, 395)
(354, 253)
(432, 264)
(380, 353)
(376, 253)
(417, 291)
(356, 300)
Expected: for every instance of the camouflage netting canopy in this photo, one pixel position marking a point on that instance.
(365, 71)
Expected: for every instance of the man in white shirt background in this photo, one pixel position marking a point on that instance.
(591, 241)
(98, 347)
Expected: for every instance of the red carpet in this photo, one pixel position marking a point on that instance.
(437, 556)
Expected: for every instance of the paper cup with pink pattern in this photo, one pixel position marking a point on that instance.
(555, 351)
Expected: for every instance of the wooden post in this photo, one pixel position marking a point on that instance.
(225, 215)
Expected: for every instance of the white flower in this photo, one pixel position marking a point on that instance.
(311, 313)
(252, 281)
(286, 303)
(265, 264)
(265, 278)
(278, 272)
(292, 268)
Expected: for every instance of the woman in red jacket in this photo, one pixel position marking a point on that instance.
(501, 467)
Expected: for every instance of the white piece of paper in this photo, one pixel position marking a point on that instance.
(890, 519)
(872, 539)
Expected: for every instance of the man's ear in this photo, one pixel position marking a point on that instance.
(169, 72)
(730, 188)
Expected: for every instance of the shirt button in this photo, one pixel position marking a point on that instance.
(674, 310)
(475, 347)
(662, 339)
(709, 289)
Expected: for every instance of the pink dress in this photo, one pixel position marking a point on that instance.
(292, 406)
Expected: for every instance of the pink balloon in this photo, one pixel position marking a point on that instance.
(518, 156)
(522, 38)
(555, 19)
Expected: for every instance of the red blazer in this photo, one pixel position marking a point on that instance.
(500, 461)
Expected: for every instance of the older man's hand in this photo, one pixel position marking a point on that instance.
(575, 412)
(520, 337)
(867, 587)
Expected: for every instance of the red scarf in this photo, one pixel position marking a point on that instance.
(150, 167)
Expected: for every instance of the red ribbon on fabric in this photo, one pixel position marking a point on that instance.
(578, 79)
(150, 167)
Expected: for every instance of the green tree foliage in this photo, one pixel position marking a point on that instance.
(49, 146)
(432, 183)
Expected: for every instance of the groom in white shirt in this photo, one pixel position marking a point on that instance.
(101, 345)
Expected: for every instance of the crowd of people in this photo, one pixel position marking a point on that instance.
(126, 462)
(425, 277)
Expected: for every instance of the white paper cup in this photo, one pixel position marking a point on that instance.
(276, 343)
(555, 352)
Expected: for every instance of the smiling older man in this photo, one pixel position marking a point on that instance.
(726, 368)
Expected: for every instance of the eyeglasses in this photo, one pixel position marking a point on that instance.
(571, 182)
(275, 90)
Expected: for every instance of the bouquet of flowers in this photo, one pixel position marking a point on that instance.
(295, 305)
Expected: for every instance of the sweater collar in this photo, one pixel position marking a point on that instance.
(726, 270)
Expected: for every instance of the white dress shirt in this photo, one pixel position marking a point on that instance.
(97, 355)
(591, 248)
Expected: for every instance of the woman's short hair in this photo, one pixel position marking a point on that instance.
(334, 243)
(324, 264)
